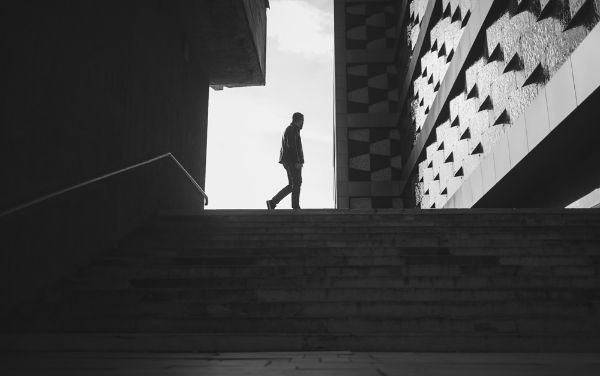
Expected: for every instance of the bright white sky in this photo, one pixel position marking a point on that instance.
(245, 125)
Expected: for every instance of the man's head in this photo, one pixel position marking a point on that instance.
(298, 119)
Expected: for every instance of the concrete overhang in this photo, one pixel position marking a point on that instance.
(228, 37)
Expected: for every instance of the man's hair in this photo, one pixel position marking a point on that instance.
(297, 116)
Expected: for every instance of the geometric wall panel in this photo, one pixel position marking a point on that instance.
(520, 50)
(417, 11)
(517, 50)
(444, 38)
(371, 88)
(374, 154)
(370, 25)
(369, 92)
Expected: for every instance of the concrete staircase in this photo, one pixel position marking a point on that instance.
(445, 280)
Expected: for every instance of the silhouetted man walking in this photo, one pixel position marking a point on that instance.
(292, 159)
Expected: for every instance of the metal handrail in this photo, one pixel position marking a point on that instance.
(105, 176)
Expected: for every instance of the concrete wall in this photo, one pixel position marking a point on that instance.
(89, 87)
(257, 22)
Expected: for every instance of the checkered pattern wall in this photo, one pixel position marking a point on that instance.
(374, 154)
(368, 157)
(370, 25)
(372, 88)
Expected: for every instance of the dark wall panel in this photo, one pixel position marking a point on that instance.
(89, 87)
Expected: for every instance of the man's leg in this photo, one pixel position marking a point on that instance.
(285, 191)
(296, 184)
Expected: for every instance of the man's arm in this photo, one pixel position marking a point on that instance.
(289, 146)
(299, 151)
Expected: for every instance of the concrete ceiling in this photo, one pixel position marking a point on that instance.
(228, 38)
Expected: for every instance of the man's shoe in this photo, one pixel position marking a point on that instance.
(270, 205)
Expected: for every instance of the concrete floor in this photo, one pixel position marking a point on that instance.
(299, 364)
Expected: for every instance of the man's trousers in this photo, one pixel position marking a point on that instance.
(294, 182)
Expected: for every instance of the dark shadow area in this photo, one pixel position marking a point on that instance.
(51, 240)
(561, 169)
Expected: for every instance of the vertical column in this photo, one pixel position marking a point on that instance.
(367, 141)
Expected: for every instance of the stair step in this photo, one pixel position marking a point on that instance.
(307, 282)
(258, 342)
(340, 243)
(592, 252)
(120, 272)
(333, 229)
(360, 295)
(521, 326)
(379, 309)
(375, 261)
